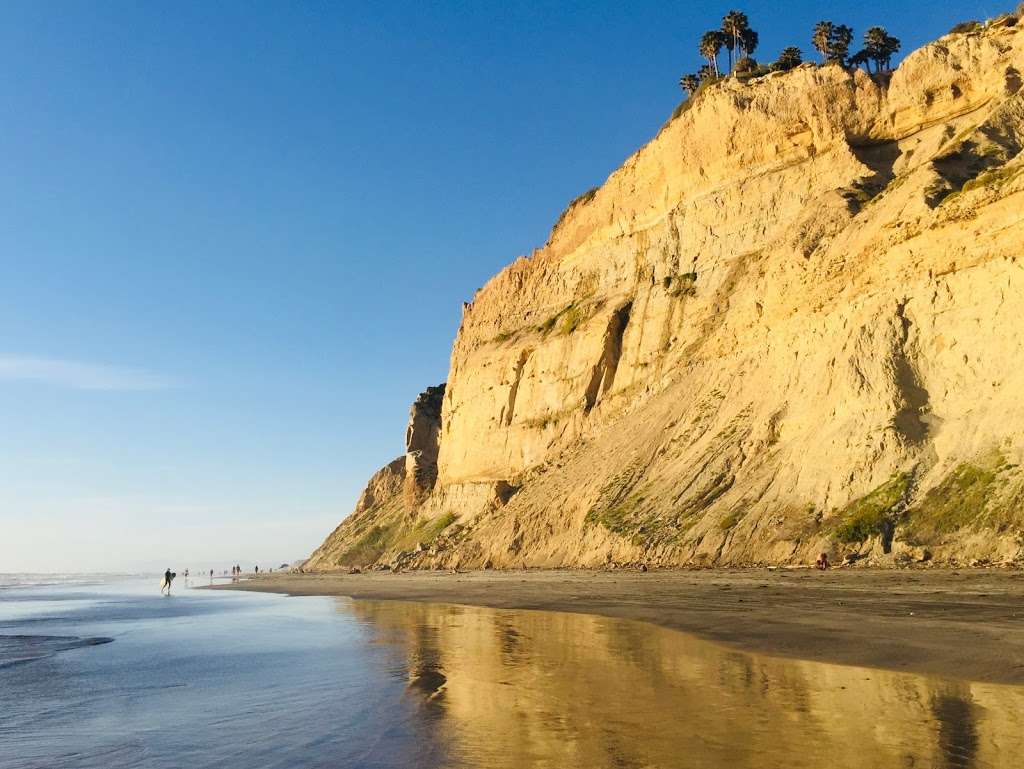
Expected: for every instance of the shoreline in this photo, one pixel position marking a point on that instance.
(950, 624)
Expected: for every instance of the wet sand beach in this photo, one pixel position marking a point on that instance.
(208, 679)
(967, 624)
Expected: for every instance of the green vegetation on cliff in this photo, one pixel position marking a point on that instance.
(873, 514)
(960, 500)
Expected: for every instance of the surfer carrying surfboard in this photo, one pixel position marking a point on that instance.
(168, 579)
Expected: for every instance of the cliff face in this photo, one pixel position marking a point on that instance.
(790, 323)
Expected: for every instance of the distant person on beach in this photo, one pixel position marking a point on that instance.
(822, 562)
(211, 576)
(256, 570)
(168, 579)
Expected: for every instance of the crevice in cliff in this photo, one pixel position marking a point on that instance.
(908, 420)
(602, 376)
(517, 378)
(993, 144)
(881, 158)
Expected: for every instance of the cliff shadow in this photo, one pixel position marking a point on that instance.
(880, 158)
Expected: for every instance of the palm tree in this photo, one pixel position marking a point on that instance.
(733, 25)
(706, 73)
(711, 43)
(689, 83)
(874, 46)
(861, 58)
(748, 42)
(889, 47)
(821, 38)
(788, 59)
(839, 46)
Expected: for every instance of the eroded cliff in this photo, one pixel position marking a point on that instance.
(790, 323)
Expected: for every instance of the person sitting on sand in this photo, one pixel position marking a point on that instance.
(822, 562)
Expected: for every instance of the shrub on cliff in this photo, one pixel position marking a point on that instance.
(966, 26)
(962, 498)
(746, 68)
(874, 513)
(790, 58)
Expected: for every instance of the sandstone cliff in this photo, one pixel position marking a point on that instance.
(793, 322)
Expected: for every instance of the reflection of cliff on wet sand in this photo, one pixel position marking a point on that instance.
(518, 689)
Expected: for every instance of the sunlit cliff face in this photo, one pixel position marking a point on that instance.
(776, 330)
(525, 689)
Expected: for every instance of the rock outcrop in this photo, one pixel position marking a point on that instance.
(421, 445)
(791, 323)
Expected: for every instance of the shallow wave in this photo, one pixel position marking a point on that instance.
(8, 581)
(18, 649)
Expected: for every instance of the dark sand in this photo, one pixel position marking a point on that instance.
(967, 624)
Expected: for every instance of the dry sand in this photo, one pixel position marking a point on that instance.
(967, 624)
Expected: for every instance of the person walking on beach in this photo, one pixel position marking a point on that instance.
(211, 576)
(168, 579)
(256, 571)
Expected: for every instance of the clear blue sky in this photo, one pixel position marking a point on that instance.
(235, 238)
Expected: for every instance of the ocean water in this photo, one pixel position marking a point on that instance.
(102, 672)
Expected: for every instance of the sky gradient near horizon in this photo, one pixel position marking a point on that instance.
(235, 238)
